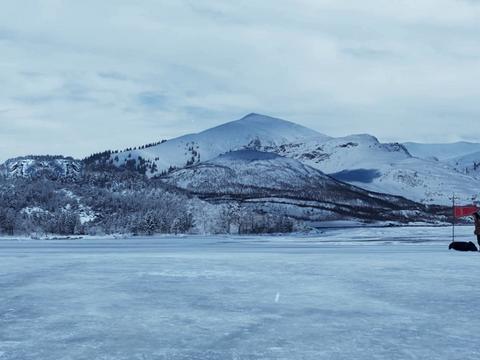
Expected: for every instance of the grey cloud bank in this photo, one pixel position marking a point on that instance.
(79, 77)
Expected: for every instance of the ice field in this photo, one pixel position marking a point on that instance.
(394, 293)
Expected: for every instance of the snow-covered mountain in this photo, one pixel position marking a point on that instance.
(253, 131)
(51, 167)
(265, 180)
(358, 159)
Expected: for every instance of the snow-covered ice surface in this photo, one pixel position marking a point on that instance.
(394, 293)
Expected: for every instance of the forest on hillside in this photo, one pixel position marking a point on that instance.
(112, 201)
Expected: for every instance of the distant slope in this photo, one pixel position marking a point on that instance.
(467, 164)
(252, 131)
(268, 181)
(388, 168)
(442, 151)
(350, 152)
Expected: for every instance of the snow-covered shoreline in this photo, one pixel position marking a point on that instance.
(420, 234)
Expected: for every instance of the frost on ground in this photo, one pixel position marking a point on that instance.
(344, 294)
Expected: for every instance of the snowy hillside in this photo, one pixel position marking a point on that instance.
(345, 153)
(424, 181)
(442, 151)
(363, 161)
(467, 164)
(41, 166)
(269, 181)
(249, 168)
(253, 131)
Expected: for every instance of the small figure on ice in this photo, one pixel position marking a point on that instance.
(476, 218)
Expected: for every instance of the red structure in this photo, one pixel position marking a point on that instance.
(463, 211)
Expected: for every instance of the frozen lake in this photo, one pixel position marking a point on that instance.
(345, 294)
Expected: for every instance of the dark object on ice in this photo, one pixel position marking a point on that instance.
(462, 246)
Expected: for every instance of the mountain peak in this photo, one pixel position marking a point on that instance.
(267, 128)
(253, 115)
(257, 116)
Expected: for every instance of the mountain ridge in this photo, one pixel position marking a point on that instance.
(442, 151)
(360, 159)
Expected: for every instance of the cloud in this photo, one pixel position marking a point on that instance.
(112, 75)
(368, 53)
(152, 100)
(87, 76)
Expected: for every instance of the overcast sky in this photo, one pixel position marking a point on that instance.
(83, 76)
